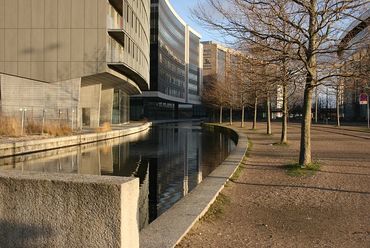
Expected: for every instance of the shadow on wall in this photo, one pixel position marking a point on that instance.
(23, 235)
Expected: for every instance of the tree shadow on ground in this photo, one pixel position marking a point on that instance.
(302, 187)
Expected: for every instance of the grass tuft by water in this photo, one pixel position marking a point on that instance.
(217, 208)
(296, 170)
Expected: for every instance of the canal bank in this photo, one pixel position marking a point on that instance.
(30, 146)
(173, 225)
(173, 159)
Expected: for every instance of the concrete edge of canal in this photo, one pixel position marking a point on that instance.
(168, 230)
(30, 146)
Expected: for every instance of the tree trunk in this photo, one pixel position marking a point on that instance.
(305, 151)
(231, 116)
(243, 113)
(338, 107)
(255, 113)
(268, 115)
(305, 157)
(221, 110)
(316, 105)
(284, 128)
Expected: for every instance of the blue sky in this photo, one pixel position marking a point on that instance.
(183, 7)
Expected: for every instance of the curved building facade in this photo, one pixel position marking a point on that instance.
(175, 67)
(354, 52)
(83, 56)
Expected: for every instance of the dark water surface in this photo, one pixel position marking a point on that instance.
(169, 159)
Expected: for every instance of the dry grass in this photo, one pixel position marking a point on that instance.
(10, 126)
(106, 127)
(56, 129)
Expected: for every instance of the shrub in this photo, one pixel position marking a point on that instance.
(12, 127)
(106, 127)
(56, 129)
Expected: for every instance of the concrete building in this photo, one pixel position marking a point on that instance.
(175, 67)
(80, 58)
(354, 52)
(219, 61)
(214, 59)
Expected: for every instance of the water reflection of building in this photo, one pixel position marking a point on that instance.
(175, 67)
(173, 155)
(185, 155)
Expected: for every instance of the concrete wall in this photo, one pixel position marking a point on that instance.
(68, 211)
(90, 100)
(37, 96)
(52, 40)
(57, 40)
(106, 106)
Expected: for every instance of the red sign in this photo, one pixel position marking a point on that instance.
(363, 98)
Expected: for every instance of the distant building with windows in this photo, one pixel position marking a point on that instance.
(214, 59)
(175, 67)
(220, 63)
(219, 60)
(78, 58)
(354, 52)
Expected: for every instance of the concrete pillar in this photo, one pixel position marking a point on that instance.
(106, 106)
(90, 105)
(51, 210)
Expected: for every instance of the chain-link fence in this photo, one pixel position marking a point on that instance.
(22, 120)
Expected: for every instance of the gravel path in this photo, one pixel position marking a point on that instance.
(266, 207)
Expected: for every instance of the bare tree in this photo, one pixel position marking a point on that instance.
(215, 93)
(313, 27)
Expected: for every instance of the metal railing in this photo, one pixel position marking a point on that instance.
(35, 119)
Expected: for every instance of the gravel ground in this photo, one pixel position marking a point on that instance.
(268, 208)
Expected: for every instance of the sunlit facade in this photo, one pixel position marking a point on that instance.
(80, 58)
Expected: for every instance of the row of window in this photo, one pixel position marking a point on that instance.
(131, 17)
(117, 51)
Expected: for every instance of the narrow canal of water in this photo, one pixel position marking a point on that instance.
(169, 159)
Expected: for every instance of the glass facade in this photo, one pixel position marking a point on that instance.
(174, 67)
(194, 70)
(121, 107)
(168, 51)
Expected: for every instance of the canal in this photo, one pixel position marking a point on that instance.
(170, 160)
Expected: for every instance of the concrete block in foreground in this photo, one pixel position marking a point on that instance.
(38, 210)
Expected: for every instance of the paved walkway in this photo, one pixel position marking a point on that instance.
(265, 207)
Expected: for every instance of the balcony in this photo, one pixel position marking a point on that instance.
(130, 73)
(118, 35)
(118, 5)
(120, 62)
